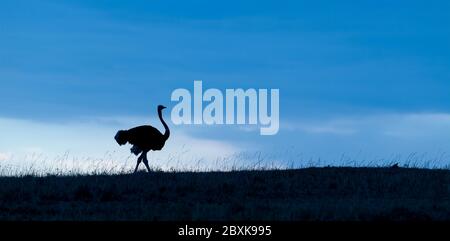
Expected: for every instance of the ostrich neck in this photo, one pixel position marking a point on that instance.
(167, 131)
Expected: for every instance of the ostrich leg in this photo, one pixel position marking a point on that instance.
(146, 161)
(138, 162)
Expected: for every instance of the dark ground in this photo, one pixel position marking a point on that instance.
(313, 194)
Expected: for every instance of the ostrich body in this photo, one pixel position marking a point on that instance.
(144, 139)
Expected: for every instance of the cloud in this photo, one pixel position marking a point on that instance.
(4, 156)
(400, 125)
(88, 139)
(427, 125)
(376, 138)
(330, 127)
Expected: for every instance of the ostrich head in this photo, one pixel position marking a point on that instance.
(161, 107)
(121, 137)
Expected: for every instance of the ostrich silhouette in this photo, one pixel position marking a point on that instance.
(144, 139)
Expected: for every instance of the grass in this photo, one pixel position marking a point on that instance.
(307, 194)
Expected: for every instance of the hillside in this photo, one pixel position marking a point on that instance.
(312, 194)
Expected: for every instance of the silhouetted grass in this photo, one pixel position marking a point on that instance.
(310, 194)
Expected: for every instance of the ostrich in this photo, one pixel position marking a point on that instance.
(144, 139)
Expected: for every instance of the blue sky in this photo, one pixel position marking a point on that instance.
(368, 79)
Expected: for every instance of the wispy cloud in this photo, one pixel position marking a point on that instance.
(378, 138)
(391, 124)
(325, 127)
(426, 125)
